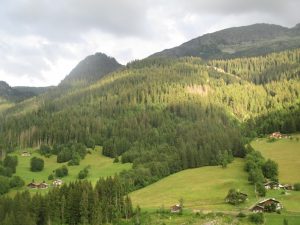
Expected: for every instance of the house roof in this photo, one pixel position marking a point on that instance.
(269, 199)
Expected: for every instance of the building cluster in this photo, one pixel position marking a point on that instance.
(44, 185)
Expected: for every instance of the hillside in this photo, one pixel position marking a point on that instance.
(252, 40)
(202, 188)
(180, 113)
(90, 69)
(100, 166)
(286, 153)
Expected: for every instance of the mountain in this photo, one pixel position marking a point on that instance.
(166, 114)
(253, 40)
(6, 92)
(17, 94)
(90, 69)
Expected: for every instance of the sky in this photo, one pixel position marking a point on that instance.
(42, 40)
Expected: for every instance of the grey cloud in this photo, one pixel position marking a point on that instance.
(69, 22)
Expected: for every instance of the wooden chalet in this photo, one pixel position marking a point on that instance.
(43, 185)
(288, 187)
(278, 135)
(176, 208)
(264, 204)
(57, 183)
(34, 185)
(273, 185)
(25, 154)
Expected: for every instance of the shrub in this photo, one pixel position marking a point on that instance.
(5, 171)
(241, 215)
(116, 160)
(4, 185)
(16, 181)
(83, 173)
(62, 171)
(36, 164)
(45, 150)
(233, 197)
(75, 161)
(257, 218)
(11, 162)
(51, 177)
(270, 169)
(297, 187)
(261, 190)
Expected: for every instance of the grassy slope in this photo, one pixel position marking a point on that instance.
(202, 188)
(101, 166)
(286, 153)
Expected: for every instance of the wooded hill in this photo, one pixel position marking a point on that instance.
(166, 114)
(252, 40)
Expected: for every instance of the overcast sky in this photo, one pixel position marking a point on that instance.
(42, 40)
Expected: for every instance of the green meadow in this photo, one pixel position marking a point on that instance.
(202, 188)
(286, 152)
(100, 166)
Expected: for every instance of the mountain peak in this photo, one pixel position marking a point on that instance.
(92, 68)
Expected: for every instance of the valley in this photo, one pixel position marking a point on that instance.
(187, 126)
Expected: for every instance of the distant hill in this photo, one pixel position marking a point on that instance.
(253, 40)
(17, 94)
(90, 69)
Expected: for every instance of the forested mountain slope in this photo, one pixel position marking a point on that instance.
(253, 40)
(165, 114)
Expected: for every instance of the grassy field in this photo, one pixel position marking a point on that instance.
(275, 219)
(286, 153)
(202, 188)
(100, 166)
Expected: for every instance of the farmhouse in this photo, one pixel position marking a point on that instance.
(25, 154)
(176, 208)
(42, 185)
(57, 183)
(288, 187)
(278, 135)
(34, 185)
(267, 205)
(273, 185)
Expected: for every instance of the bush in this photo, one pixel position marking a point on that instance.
(51, 177)
(257, 218)
(261, 190)
(45, 150)
(116, 160)
(270, 169)
(83, 173)
(234, 197)
(5, 171)
(62, 171)
(11, 162)
(4, 185)
(241, 215)
(36, 164)
(75, 161)
(16, 181)
(297, 187)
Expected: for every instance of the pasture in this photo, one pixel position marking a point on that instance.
(202, 188)
(286, 152)
(100, 166)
